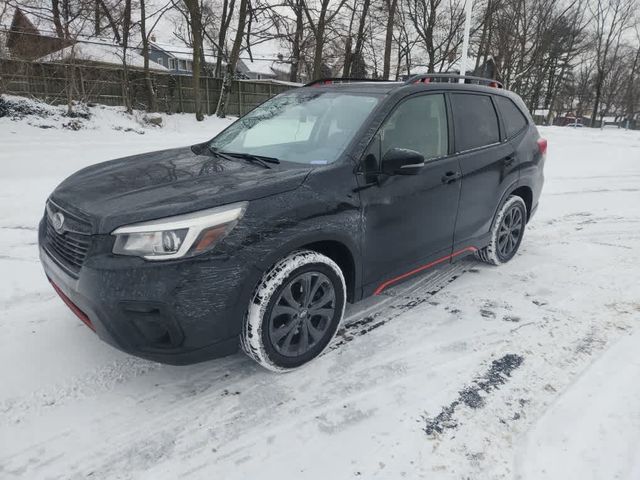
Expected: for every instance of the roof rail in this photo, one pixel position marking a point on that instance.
(448, 77)
(332, 80)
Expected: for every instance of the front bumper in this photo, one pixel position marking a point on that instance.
(177, 312)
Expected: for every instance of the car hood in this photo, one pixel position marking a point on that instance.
(169, 182)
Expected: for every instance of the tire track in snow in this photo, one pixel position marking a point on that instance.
(208, 388)
(358, 322)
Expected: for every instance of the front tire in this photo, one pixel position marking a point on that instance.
(507, 232)
(295, 311)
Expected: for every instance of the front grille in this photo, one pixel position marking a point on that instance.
(70, 246)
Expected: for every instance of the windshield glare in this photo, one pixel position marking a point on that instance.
(312, 127)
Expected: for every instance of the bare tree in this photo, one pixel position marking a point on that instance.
(195, 23)
(438, 25)
(319, 26)
(356, 55)
(225, 21)
(611, 18)
(126, 30)
(221, 110)
(388, 41)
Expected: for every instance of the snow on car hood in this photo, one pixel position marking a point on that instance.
(169, 182)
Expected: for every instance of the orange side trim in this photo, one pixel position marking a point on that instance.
(420, 269)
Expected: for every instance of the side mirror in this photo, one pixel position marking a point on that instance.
(402, 161)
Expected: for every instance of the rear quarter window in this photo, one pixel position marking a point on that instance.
(475, 119)
(512, 117)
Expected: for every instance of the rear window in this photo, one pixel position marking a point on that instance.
(475, 120)
(514, 120)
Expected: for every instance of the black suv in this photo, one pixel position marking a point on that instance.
(321, 195)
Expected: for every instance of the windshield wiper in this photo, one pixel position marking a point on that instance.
(220, 154)
(259, 159)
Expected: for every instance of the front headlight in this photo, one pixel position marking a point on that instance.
(179, 236)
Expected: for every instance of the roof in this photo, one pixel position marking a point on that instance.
(181, 52)
(107, 53)
(389, 87)
(274, 81)
(38, 16)
(265, 65)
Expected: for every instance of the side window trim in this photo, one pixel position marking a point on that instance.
(448, 113)
(502, 124)
(498, 117)
(359, 168)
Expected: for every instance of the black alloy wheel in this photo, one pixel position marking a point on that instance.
(510, 232)
(302, 314)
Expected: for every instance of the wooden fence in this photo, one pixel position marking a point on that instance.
(105, 85)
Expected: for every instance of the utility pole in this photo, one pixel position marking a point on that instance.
(465, 39)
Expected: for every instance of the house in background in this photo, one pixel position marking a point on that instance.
(178, 59)
(264, 67)
(99, 52)
(24, 39)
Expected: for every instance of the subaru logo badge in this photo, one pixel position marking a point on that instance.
(57, 222)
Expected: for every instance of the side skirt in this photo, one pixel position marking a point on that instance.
(392, 281)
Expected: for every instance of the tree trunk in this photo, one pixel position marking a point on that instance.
(386, 68)
(630, 94)
(357, 52)
(151, 103)
(598, 97)
(195, 21)
(55, 11)
(346, 68)
(126, 26)
(96, 18)
(221, 110)
(317, 52)
(297, 41)
(319, 46)
(227, 14)
(112, 22)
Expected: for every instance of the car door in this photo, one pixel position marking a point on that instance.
(488, 166)
(409, 219)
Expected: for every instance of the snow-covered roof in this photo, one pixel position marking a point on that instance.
(181, 52)
(274, 81)
(100, 53)
(266, 65)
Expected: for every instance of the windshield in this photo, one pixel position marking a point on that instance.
(312, 127)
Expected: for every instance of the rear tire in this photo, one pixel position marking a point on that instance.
(294, 312)
(507, 232)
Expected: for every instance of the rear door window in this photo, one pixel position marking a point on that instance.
(512, 117)
(418, 123)
(476, 121)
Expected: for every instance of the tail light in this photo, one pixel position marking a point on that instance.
(542, 146)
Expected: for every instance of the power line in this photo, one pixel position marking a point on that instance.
(103, 44)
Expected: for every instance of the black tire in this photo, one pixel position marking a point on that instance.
(287, 324)
(507, 232)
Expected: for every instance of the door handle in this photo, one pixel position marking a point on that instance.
(508, 160)
(451, 177)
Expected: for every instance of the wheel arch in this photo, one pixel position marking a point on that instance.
(521, 190)
(337, 247)
(526, 193)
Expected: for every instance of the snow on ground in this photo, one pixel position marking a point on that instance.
(525, 371)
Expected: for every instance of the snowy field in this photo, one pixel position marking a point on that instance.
(527, 371)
